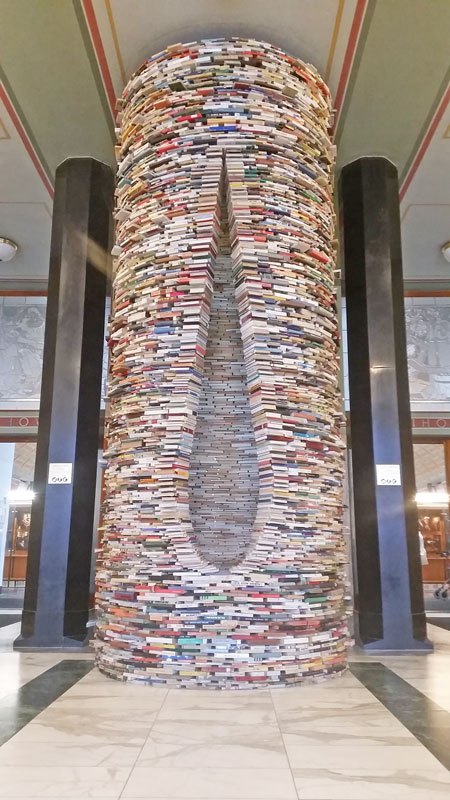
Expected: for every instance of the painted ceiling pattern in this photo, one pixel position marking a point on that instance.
(63, 62)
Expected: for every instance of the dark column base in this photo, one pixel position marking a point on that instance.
(394, 643)
(42, 635)
(382, 648)
(28, 644)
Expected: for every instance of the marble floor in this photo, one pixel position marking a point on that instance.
(380, 732)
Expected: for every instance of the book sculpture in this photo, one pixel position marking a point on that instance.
(223, 556)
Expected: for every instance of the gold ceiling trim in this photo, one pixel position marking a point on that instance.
(3, 131)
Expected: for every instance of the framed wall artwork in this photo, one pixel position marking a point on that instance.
(22, 327)
(427, 318)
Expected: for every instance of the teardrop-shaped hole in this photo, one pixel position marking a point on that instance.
(223, 478)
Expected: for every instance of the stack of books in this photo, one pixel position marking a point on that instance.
(223, 472)
(223, 555)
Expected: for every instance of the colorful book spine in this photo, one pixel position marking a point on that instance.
(223, 561)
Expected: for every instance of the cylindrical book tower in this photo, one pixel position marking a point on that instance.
(223, 557)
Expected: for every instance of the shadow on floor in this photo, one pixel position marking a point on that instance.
(9, 619)
(11, 598)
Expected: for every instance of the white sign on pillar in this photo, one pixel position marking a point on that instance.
(60, 474)
(388, 475)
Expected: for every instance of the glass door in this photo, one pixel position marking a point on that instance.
(16, 493)
(432, 499)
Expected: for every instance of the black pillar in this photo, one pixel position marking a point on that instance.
(389, 594)
(57, 588)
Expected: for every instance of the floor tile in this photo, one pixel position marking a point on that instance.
(20, 707)
(244, 714)
(113, 725)
(67, 754)
(340, 680)
(316, 697)
(198, 698)
(105, 687)
(61, 782)
(209, 745)
(220, 784)
(358, 733)
(365, 757)
(104, 703)
(83, 737)
(101, 737)
(427, 720)
(336, 725)
(356, 784)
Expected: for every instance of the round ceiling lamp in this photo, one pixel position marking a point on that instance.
(8, 249)
(445, 250)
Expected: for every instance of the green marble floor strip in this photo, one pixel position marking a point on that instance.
(20, 707)
(426, 720)
(441, 622)
(9, 619)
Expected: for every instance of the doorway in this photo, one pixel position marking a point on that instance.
(16, 493)
(432, 468)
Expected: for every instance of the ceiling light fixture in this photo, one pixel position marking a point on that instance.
(445, 250)
(437, 499)
(20, 497)
(8, 249)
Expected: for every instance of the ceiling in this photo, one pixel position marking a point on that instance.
(429, 466)
(24, 458)
(63, 62)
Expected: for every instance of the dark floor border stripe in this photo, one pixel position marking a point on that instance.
(427, 721)
(20, 707)
(9, 619)
(441, 622)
